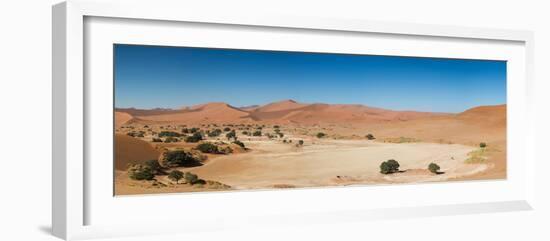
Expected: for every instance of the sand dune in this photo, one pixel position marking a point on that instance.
(121, 118)
(286, 111)
(215, 112)
(130, 150)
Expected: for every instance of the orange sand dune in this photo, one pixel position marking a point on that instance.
(130, 150)
(121, 118)
(210, 112)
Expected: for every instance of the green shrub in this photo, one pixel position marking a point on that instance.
(257, 133)
(190, 178)
(208, 147)
(370, 137)
(171, 139)
(246, 133)
(434, 168)
(231, 135)
(196, 137)
(169, 134)
(226, 129)
(239, 143)
(179, 158)
(140, 172)
(215, 133)
(390, 166)
(194, 130)
(482, 144)
(175, 175)
(155, 166)
(321, 135)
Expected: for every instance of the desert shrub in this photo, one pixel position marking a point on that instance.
(434, 168)
(194, 130)
(239, 143)
(277, 130)
(276, 127)
(246, 133)
(175, 175)
(321, 135)
(226, 129)
(269, 135)
(196, 137)
(231, 134)
(169, 134)
(257, 133)
(157, 140)
(140, 172)
(155, 166)
(215, 133)
(185, 131)
(482, 144)
(179, 158)
(226, 150)
(171, 139)
(199, 182)
(301, 142)
(208, 147)
(370, 136)
(190, 177)
(284, 141)
(281, 135)
(136, 134)
(390, 166)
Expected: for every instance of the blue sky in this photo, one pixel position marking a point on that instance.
(172, 77)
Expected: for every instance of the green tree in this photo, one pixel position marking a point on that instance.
(231, 135)
(434, 168)
(140, 172)
(155, 166)
(196, 137)
(207, 147)
(175, 175)
(239, 143)
(190, 177)
(389, 166)
(179, 158)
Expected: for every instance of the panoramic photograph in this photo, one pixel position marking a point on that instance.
(190, 119)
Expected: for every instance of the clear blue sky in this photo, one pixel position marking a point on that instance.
(172, 77)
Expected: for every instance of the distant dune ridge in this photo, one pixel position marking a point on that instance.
(286, 111)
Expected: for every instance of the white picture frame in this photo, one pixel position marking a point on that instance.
(72, 113)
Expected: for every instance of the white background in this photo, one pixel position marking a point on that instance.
(25, 93)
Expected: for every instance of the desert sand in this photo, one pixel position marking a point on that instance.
(344, 156)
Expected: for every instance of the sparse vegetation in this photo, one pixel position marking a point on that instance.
(140, 172)
(226, 129)
(257, 133)
(389, 166)
(301, 142)
(482, 145)
(321, 135)
(171, 139)
(434, 168)
(370, 136)
(175, 175)
(194, 130)
(196, 137)
(477, 156)
(239, 143)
